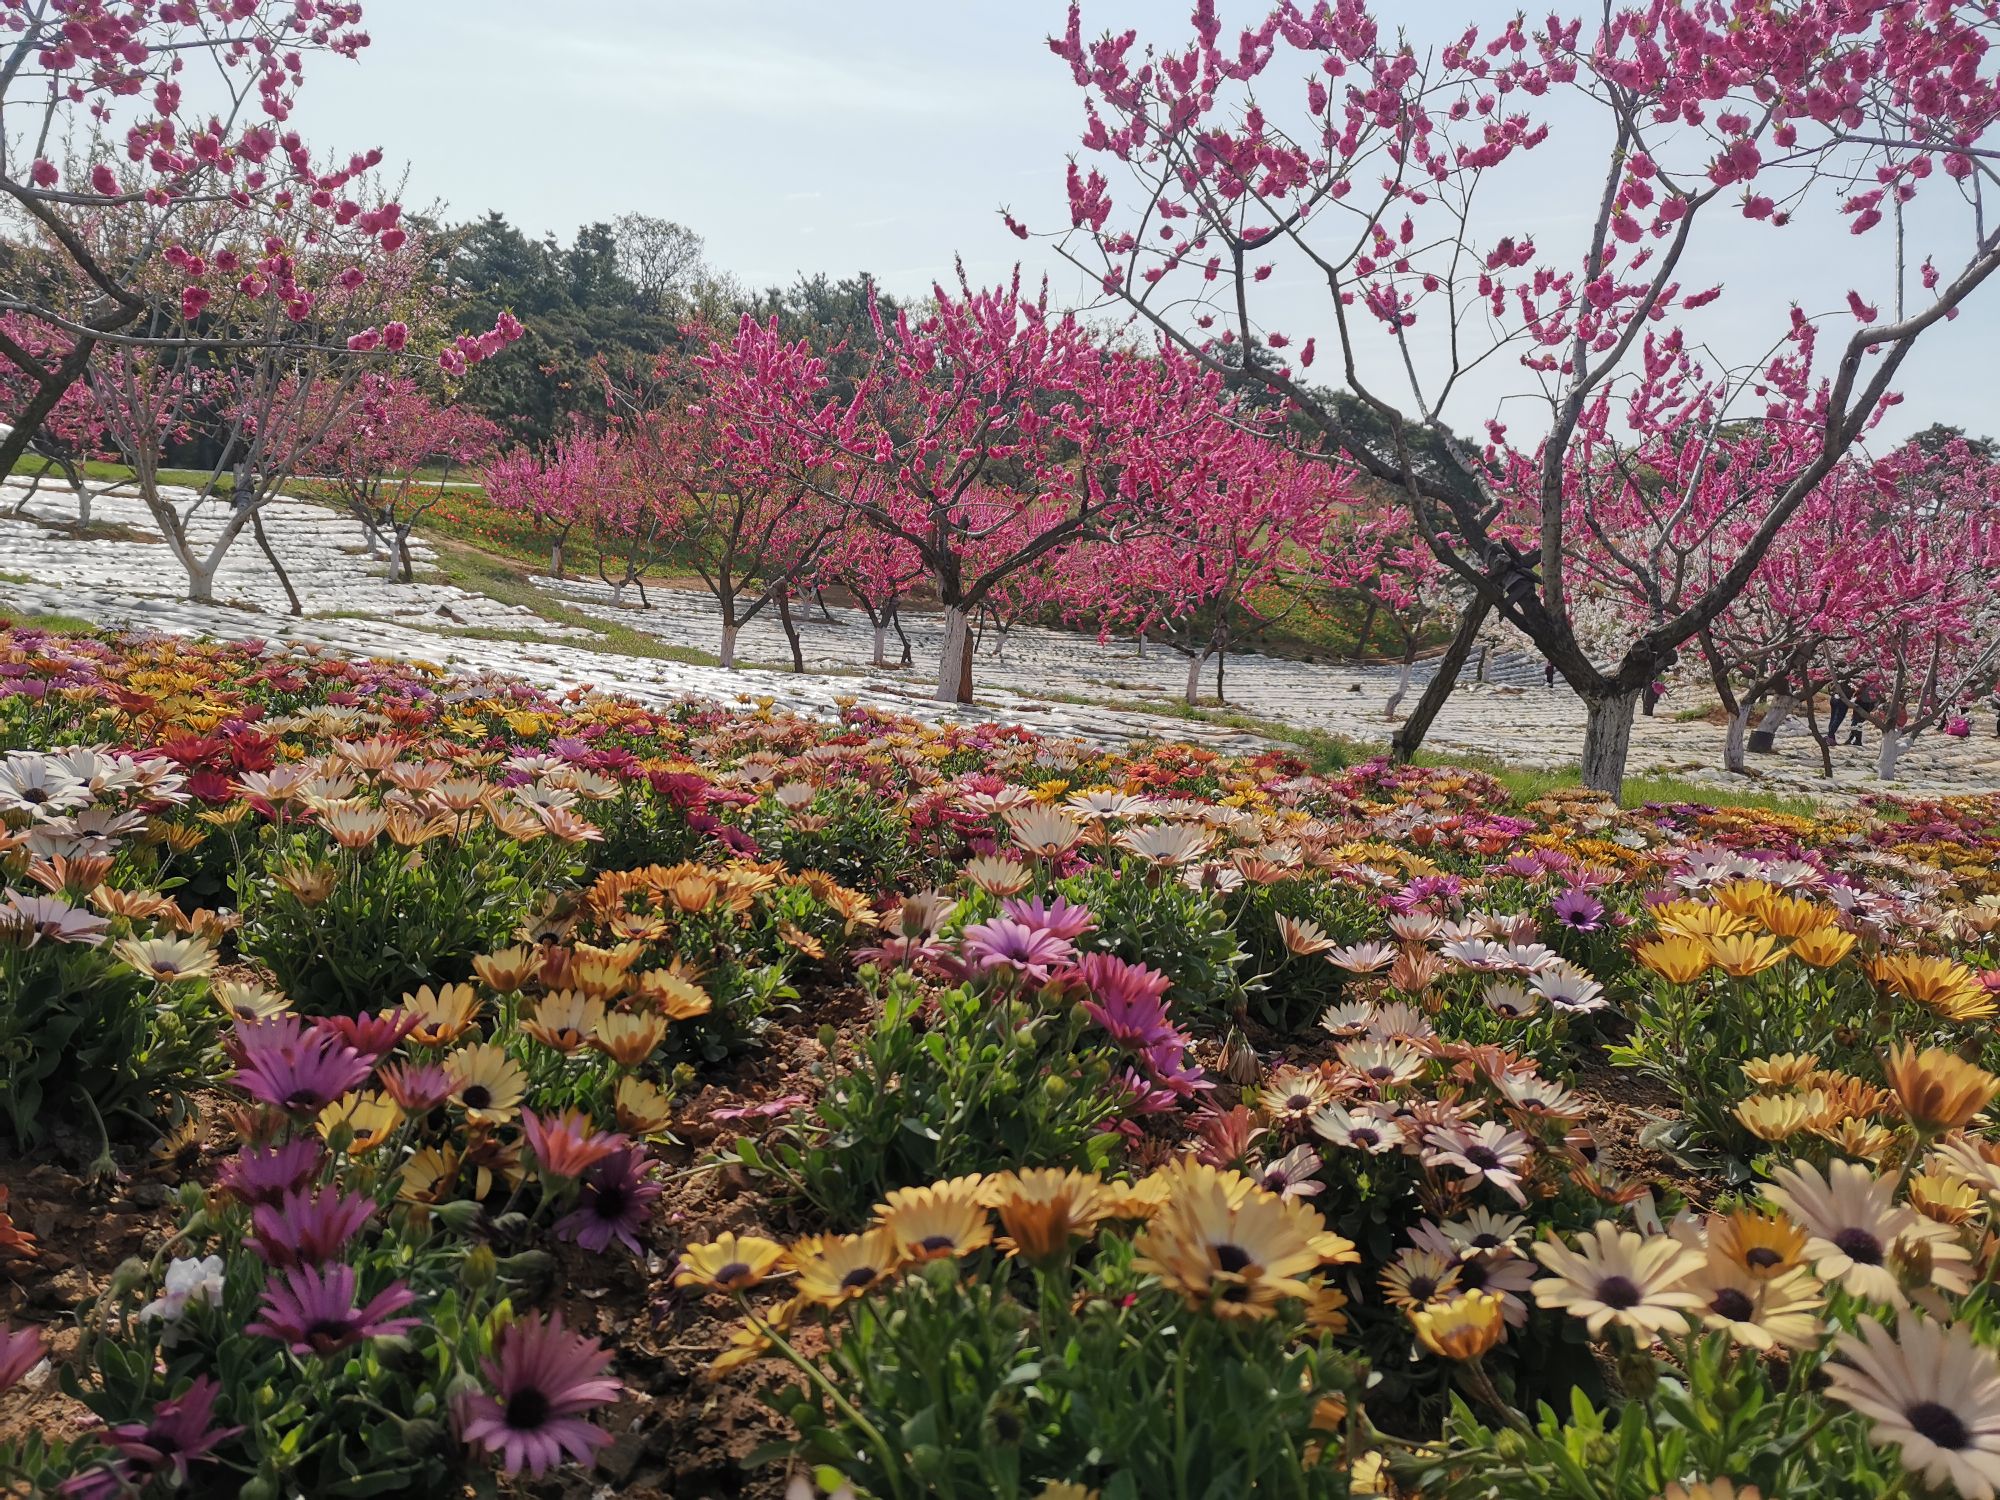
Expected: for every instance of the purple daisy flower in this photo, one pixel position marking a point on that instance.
(543, 1379)
(301, 1230)
(296, 1070)
(1579, 911)
(180, 1432)
(617, 1196)
(1006, 944)
(264, 1174)
(1058, 917)
(312, 1311)
(372, 1036)
(21, 1350)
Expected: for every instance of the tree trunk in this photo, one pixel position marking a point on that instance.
(1894, 743)
(1732, 742)
(1142, 645)
(264, 543)
(1409, 735)
(1402, 682)
(1195, 659)
(896, 619)
(1607, 741)
(402, 558)
(881, 643)
(1764, 738)
(1824, 741)
(556, 558)
(727, 654)
(791, 630)
(954, 684)
(1367, 629)
(201, 581)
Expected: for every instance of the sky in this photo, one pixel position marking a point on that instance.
(885, 137)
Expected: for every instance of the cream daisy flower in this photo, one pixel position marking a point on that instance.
(1931, 1391)
(1616, 1276)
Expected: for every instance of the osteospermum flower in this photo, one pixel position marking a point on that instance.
(1853, 1225)
(732, 1263)
(1488, 1152)
(616, 1197)
(566, 1144)
(1568, 989)
(311, 1310)
(293, 1069)
(307, 1229)
(832, 1269)
(1417, 1278)
(1763, 1245)
(180, 1432)
(1043, 1208)
(1382, 1064)
(21, 1349)
(1931, 1391)
(1361, 1129)
(1226, 1245)
(486, 1082)
(1004, 943)
(167, 959)
(1463, 1328)
(1823, 947)
(264, 1174)
(1676, 958)
(1616, 1276)
(443, 1015)
(1295, 1095)
(1938, 1090)
(565, 1020)
(1759, 1312)
(1362, 958)
(541, 1379)
(931, 1223)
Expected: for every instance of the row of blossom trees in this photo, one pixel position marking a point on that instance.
(1400, 181)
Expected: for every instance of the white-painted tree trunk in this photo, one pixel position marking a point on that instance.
(1402, 691)
(728, 651)
(956, 654)
(1894, 743)
(1194, 676)
(881, 643)
(1732, 743)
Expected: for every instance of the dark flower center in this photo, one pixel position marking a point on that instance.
(326, 1334)
(1619, 1292)
(527, 1410)
(1366, 1137)
(1939, 1423)
(1423, 1288)
(1472, 1275)
(1381, 1072)
(1483, 1157)
(476, 1096)
(736, 1270)
(1859, 1246)
(1732, 1304)
(932, 1243)
(1232, 1258)
(303, 1098)
(1761, 1258)
(857, 1278)
(1486, 1242)
(1299, 1102)
(609, 1202)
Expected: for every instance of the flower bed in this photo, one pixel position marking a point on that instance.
(551, 1082)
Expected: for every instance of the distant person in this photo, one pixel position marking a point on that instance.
(1864, 705)
(1836, 713)
(1549, 673)
(1655, 691)
(1994, 703)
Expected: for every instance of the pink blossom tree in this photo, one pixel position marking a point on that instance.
(369, 454)
(70, 432)
(1232, 543)
(147, 113)
(556, 488)
(990, 409)
(877, 571)
(1926, 631)
(1373, 174)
